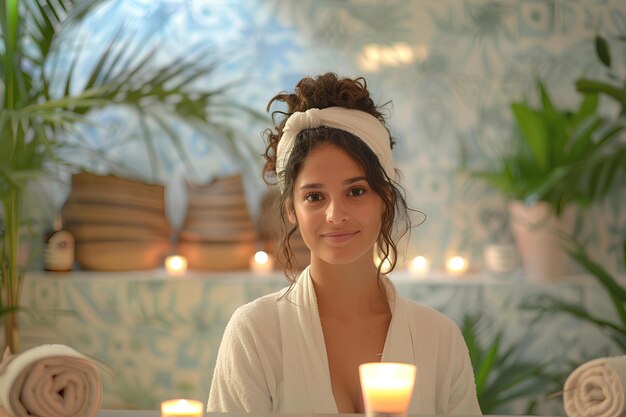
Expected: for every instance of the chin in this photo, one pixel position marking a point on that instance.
(342, 258)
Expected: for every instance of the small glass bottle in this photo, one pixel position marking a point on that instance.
(58, 250)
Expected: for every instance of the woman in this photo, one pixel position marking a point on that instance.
(298, 350)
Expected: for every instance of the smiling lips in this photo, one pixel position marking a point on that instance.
(339, 237)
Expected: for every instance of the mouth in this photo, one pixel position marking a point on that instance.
(339, 237)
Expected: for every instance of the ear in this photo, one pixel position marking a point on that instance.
(291, 212)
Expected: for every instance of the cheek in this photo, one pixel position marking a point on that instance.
(379, 214)
(305, 219)
(298, 215)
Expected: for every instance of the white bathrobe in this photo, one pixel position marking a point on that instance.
(273, 358)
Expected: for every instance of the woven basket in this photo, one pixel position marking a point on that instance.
(214, 256)
(218, 233)
(119, 224)
(117, 256)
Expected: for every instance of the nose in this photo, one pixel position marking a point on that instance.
(336, 212)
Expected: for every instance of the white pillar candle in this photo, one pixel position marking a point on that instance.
(387, 387)
(176, 265)
(181, 408)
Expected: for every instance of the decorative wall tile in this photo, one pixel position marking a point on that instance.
(157, 337)
(468, 61)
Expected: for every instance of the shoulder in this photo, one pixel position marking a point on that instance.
(428, 318)
(257, 315)
(425, 311)
(436, 334)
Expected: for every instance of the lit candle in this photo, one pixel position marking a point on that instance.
(176, 265)
(181, 408)
(419, 265)
(261, 262)
(456, 265)
(387, 387)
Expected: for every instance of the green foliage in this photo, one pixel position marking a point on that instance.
(501, 377)
(559, 156)
(615, 330)
(45, 104)
(614, 88)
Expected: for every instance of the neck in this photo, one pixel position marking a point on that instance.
(348, 290)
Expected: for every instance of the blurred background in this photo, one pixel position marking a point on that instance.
(449, 70)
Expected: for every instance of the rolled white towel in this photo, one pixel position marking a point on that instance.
(50, 381)
(596, 388)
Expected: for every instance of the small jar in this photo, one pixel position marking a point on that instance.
(58, 250)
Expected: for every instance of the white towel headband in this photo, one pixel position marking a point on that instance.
(361, 124)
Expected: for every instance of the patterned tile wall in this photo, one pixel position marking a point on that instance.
(157, 337)
(450, 68)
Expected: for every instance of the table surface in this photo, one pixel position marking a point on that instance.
(156, 413)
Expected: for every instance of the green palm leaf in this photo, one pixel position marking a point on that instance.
(45, 104)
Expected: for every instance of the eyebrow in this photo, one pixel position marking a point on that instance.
(345, 182)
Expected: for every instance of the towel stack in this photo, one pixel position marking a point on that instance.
(50, 381)
(596, 388)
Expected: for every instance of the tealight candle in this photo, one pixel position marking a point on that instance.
(456, 265)
(176, 265)
(387, 387)
(419, 265)
(261, 262)
(181, 408)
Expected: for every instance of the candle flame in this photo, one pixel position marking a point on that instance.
(261, 257)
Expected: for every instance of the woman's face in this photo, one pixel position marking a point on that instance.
(338, 213)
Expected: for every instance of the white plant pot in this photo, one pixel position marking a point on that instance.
(536, 232)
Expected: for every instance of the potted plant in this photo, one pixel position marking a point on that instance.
(614, 329)
(560, 160)
(502, 377)
(44, 104)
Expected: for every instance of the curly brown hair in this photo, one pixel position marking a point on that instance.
(322, 91)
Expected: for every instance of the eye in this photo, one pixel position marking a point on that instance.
(312, 197)
(356, 191)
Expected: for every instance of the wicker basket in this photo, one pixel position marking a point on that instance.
(119, 224)
(218, 233)
(125, 255)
